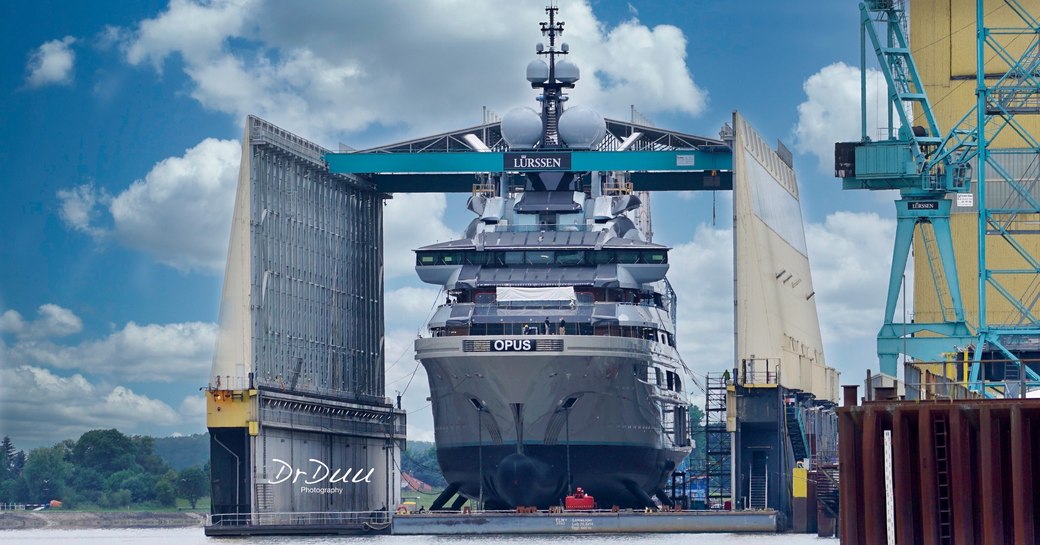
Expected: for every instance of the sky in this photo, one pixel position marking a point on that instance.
(121, 143)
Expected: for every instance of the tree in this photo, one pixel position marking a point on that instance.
(192, 484)
(45, 473)
(165, 493)
(7, 452)
(107, 451)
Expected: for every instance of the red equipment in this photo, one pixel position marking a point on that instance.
(579, 500)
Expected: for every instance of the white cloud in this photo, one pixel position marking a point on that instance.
(51, 63)
(851, 256)
(180, 212)
(52, 321)
(78, 208)
(325, 69)
(38, 407)
(701, 272)
(142, 353)
(402, 232)
(831, 111)
(11, 322)
(192, 410)
(192, 29)
(411, 306)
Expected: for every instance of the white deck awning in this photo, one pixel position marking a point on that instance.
(523, 295)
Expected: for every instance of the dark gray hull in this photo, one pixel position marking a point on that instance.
(513, 420)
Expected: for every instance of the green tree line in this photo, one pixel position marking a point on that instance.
(103, 468)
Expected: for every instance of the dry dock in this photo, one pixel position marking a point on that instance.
(494, 522)
(584, 522)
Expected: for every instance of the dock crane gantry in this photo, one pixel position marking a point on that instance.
(927, 166)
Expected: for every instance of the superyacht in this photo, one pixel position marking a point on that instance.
(552, 363)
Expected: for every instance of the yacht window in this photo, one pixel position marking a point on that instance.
(540, 257)
(627, 256)
(477, 258)
(451, 258)
(570, 258)
(655, 257)
(513, 258)
(426, 259)
(602, 257)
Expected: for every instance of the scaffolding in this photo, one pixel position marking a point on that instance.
(718, 450)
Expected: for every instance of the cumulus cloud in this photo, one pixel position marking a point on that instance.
(51, 63)
(400, 235)
(78, 208)
(327, 68)
(135, 353)
(702, 276)
(51, 321)
(180, 212)
(38, 407)
(192, 411)
(831, 111)
(851, 254)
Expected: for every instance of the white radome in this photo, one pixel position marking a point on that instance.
(537, 71)
(567, 72)
(522, 128)
(581, 127)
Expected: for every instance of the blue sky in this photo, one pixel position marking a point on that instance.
(120, 152)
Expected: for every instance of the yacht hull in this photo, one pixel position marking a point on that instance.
(513, 427)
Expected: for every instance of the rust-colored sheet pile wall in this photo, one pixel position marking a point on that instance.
(963, 472)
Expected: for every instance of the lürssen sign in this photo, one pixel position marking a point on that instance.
(537, 161)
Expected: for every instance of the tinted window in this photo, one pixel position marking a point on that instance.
(654, 257)
(540, 257)
(570, 258)
(627, 256)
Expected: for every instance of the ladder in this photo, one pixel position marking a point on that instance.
(942, 479)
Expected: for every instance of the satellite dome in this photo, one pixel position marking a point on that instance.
(522, 128)
(581, 127)
(567, 72)
(537, 71)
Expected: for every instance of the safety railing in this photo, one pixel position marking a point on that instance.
(313, 519)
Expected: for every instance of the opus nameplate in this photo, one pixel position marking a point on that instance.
(513, 345)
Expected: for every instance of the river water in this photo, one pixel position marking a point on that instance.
(194, 536)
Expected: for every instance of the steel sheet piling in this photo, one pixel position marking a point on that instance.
(964, 471)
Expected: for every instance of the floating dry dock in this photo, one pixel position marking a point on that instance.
(495, 522)
(597, 522)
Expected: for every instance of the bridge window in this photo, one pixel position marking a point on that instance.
(540, 257)
(628, 257)
(513, 258)
(655, 257)
(570, 258)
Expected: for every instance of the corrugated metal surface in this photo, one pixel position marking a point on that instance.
(963, 472)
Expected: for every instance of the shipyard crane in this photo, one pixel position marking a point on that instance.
(927, 166)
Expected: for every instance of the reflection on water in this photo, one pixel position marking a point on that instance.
(194, 536)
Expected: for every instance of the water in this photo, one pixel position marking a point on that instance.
(194, 536)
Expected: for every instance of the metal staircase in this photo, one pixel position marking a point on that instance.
(758, 489)
(796, 432)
